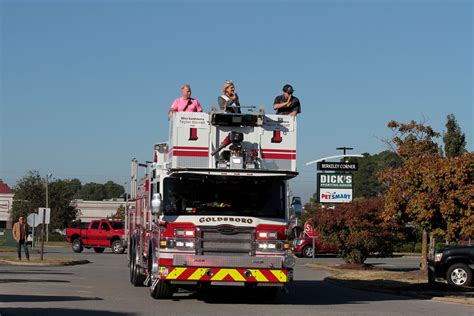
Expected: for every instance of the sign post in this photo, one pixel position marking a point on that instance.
(33, 221)
(44, 214)
(309, 231)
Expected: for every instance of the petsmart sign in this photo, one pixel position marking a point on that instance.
(334, 187)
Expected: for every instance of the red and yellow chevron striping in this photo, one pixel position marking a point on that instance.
(223, 274)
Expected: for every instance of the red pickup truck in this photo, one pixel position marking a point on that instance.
(98, 235)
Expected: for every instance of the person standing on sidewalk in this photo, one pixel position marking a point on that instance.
(20, 234)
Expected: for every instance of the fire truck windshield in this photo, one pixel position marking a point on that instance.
(241, 196)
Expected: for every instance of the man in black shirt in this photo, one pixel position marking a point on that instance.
(287, 104)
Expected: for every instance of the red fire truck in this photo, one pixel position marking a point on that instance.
(211, 208)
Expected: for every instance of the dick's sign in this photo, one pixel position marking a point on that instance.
(334, 187)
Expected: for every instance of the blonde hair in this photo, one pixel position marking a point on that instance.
(227, 84)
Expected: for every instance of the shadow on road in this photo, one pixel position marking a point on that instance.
(34, 272)
(422, 290)
(307, 292)
(17, 311)
(10, 298)
(32, 281)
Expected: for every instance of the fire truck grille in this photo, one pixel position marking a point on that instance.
(225, 240)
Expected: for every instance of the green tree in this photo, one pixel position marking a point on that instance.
(63, 210)
(75, 185)
(365, 181)
(30, 194)
(113, 190)
(92, 191)
(97, 192)
(454, 140)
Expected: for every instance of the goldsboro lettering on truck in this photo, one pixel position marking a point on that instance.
(210, 209)
(225, 219)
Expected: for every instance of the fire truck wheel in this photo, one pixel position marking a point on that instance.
(77, 245)
(162, 290)
(99, 249)
(117, 247)
(136, 278)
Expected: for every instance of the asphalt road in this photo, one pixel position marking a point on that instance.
(102, 288)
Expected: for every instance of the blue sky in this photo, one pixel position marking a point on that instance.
(85, 85)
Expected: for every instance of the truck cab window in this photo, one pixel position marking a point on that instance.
(95, 225)
(208, 195)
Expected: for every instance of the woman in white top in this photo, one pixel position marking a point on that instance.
(229, 100)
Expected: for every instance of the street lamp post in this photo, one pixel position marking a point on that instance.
(48, 176)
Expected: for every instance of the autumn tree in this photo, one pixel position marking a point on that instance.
(454, 140)
(414, 140)
(430, 191)
(358, 229)
(435, 194)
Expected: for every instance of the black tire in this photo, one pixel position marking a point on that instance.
(459, 274)
(117, 247)
(136, 278)
(130, 265)
(77, 245)
(307, 251)
(99, 249)
(162, 290)
(431, 276)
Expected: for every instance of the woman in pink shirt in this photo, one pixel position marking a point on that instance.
(185, 103)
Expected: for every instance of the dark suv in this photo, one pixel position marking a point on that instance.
(453, 264)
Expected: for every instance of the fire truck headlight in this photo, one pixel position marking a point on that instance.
(269, 246)
(184, 244)
(289, 262)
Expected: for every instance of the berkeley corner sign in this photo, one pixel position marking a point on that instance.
(334, 187)
(337, 166)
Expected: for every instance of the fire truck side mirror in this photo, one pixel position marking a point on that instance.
(156, 204)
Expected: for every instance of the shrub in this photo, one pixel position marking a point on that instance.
(418, 247)
(56, 237)
(405, 247)
(358, 229)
